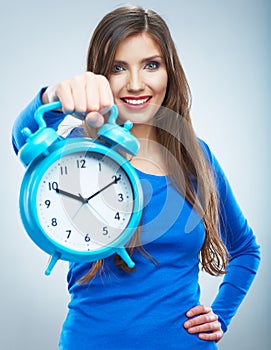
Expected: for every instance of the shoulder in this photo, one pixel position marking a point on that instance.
(207, 153)
(220, 178)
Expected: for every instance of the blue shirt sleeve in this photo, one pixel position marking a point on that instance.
(26, 119)
(243, 249)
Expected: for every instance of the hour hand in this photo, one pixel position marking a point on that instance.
(71, 195)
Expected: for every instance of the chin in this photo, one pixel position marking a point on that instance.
(143, 116)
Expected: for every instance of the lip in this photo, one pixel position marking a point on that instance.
(146, 98)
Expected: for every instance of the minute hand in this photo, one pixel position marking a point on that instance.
(104, 188)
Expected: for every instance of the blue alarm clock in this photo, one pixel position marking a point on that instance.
(80, 199)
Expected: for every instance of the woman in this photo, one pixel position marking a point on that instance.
(190, 214)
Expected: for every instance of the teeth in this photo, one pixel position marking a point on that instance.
(136, 102)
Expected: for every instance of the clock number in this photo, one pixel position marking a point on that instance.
(87, 238)
(47, 203)
(69, 233)
(105, 231)
(64, 170)
(81, 163)
(120, 197)
(116, 178)
(100, 166)
(117, 216)
(53, 186)
(54, 222)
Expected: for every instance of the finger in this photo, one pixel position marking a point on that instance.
(206, 327)
(92, 92)
(202, 319)
(78, 86)
(95, 119)
(216, 336)
(106, 96)
(197, 310)
(64, 94)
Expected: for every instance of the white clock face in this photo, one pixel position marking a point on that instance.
(84, 201)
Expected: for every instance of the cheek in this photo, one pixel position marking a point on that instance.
(160, 85)
(116, 84)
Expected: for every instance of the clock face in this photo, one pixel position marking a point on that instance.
(84, 201)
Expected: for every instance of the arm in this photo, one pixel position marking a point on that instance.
(243, 250)
(87, 95)
(210, 323)
(26, 119)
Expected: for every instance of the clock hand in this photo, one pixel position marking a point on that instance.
(97, 214)
(93, 210)
(104, 188)
(77, 211)
(71, 195)
(85, 200)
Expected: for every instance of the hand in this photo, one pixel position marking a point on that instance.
(71, 195)
(204, 322)
(83, 201)
(87, 96)
(97, 214)
(104, 188)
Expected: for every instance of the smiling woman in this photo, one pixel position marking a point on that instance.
(139, 79)
(190, 218)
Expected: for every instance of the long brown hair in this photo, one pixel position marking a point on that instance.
(191, 174)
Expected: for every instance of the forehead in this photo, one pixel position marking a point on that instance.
(138, 45)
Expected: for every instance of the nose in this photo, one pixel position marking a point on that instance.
(135, 81)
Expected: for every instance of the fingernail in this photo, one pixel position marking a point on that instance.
(95, 119)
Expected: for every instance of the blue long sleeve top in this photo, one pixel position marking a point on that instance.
(146, 309)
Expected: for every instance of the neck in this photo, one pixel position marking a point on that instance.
(144, 131)
(146, 134)
(149, 158)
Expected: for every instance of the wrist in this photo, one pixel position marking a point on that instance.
(44, 97)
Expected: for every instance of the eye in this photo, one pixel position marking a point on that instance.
(153, 65)
(117, 68)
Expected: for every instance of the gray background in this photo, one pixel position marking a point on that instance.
(225, 50)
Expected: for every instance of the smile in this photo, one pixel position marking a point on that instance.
(136, 101)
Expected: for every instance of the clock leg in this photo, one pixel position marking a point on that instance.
(122, 252)
(53, 260)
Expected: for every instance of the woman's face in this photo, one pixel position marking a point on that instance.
(139, 78)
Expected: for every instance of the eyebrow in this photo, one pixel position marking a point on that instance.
(147, 59)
